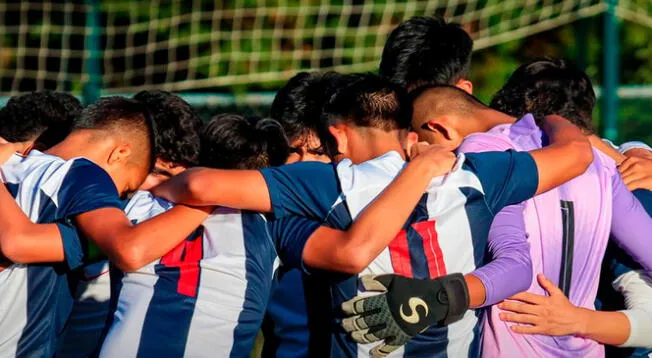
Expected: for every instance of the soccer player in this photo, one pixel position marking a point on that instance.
(114, 136)
(38, 120)
(444, 237)
(425, 50)
(208, 295)
(298, 107)
(176, 132)
(581, 221)
(557, 85)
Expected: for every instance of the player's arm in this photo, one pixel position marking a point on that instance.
(241, 189)
(22, 241)
(353, 250)
(555, 315)
(129, 246)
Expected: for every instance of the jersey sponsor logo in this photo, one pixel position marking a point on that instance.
(414, 317)
(422, 236)
(186, 257)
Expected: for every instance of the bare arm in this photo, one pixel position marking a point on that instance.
(568, 155)
(129, 246)
(22, 241)
(353, 250)
(242, 189)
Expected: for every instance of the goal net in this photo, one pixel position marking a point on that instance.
(255, 44)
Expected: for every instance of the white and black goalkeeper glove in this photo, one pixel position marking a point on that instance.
(405, 308)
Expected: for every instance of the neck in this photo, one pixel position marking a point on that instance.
(485, 119)
(375, 143)
(77, 144)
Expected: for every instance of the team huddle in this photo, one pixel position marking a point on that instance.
(369, 215)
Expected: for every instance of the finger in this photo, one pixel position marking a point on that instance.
(627, 163)
(643, 183)
(631, 175)
(369, 335)
(354, 306)
(528, 329)
(519, 318)
(382, 350)
(548, 285)
(378, 283)
(519, 307)
(355, 323)
(529, 298)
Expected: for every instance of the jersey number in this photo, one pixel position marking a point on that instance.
(419, 239)
(186, 257)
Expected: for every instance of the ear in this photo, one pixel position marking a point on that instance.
(411, 138)
(444, 126)
(120, 154)
(340, 137)
(465, 85)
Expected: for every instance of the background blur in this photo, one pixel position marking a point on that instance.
(232, 55)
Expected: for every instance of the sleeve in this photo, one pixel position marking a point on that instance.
(72, 245)
(631, 225)
(86, 187)
(306, 189)
(510, 253)
(507, 178)
(636, 287)
(291, 234)
(483, 142)
(633, 145)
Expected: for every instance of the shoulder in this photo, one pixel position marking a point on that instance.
(143, 205)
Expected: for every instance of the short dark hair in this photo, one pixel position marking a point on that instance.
(426, 50)
(177, 127)
(43, 117)
(298, 105)
(370, 101)
(122, 117)
(446, 99)
(231, 141)
(548, 86)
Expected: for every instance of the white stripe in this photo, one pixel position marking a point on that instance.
(13, 309)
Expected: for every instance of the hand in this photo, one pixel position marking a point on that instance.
(636, 173)
(438, 158)
(639, 152)
(405, 308)
(552, 315)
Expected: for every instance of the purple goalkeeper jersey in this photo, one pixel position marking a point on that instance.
(568, 229)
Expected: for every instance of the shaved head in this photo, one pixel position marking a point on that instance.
(436, 101)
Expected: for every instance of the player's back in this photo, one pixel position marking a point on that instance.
(445, 234)
(36, 299)
(204, 298)
(568, 230)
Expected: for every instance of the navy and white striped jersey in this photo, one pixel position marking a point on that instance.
(205, 298)
(36, 299)
(446, 233)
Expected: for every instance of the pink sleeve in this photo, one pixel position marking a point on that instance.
(484, 142)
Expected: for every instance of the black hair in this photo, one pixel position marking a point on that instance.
(298, 105)
(177, 127)
(122, 117)
(548, 86)
(231, 141)
(43, 117)
(370, 101)
(426, 50)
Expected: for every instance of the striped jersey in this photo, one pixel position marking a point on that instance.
(205, 298)
(36, 299)
(446, 233)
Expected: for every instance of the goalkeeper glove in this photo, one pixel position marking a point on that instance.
(405, 308)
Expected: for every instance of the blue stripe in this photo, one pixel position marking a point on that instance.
(159, 337)
(49, 296)
(260, 256)
(418, 257)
